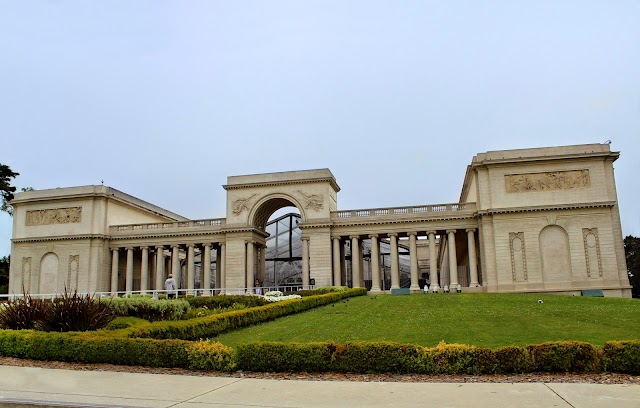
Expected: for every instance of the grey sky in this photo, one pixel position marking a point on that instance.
(165, 99)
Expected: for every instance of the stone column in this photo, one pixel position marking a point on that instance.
(355, 262)
(336, 261)
(361, 259)
(175, 265)
(395, 261)
(453, 261)
(413, 254)
(129, 275)
(144, 270)
(191, 268)
(375, 264)
(473, 260)
(160, 267)
(115, 259)
(218, 265)
(263, 264)
(433, 262)
(343, 265)
(250, 267)
(305, 263)
(206, 268)
(223, 273)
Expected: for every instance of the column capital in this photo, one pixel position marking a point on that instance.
(412, 233)
(144, 247)
(449, 231)
(206, 244)
(470, 230)
(338, 238)
(129, 248)
(430, 232)
(354, 236)
(191, 245)
(304, 238)
(373, 235)
(116, 249)
(392, 234)
(159, 247)
(175, 246)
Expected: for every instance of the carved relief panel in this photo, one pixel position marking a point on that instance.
(592, 252)
(54, 216)
(518, 256)
(555, 180)
(26, 274)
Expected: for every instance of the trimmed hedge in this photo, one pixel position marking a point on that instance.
(213, 325)
(73, 347)
(388, 357)
(621, 356)
(225, 301)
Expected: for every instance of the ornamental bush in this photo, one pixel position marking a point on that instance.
(23, 314)
(564, 356)
(285, 357)
(621, 356)
(226, 301)
(148, 308)
(74, 312)
(376, 357)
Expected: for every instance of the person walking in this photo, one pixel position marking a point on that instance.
(171, 287)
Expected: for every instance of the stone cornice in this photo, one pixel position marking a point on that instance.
(572, 156)
(557, 207)
(329, 180)
(170, 234)
(60, 238)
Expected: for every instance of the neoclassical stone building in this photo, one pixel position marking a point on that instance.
(530, 220)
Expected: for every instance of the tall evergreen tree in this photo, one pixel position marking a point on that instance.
(632, 252)
(6, 189)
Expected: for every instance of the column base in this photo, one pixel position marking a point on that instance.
(377, 291)
(416, 291)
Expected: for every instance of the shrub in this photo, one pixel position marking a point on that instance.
(285, 357)
(513, 359)
(461, 359)
(123, 322)
(21, 314)
(376, 357)
(210, 356)
(148, 308)
(564, 356)
(75, 312)
(621, 356)
(226, 301)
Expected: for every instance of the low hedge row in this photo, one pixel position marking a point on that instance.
(74, 347)
(388, 357)
(357, 357)
(226, 301)
(213, 325)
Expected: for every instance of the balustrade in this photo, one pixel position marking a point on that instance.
(401, 211)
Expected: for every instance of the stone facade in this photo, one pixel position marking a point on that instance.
(530, 220)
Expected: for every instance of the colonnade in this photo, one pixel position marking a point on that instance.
(165, 264)
(357, 257)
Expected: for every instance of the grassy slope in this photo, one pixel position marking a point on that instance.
(487, 320)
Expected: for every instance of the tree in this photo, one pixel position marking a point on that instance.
(632, 253)
(6, 189)
(4, 274)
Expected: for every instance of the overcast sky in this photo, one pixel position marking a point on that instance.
(165, 99)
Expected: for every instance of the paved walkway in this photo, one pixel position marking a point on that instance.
(28, 386)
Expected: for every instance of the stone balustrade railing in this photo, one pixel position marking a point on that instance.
(205, 224)
(403, 211)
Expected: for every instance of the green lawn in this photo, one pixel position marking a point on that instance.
(487, 320)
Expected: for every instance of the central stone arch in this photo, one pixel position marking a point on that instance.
(252, 199)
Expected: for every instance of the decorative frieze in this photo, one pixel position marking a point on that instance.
(547, 181)
(314, 201)
(54, 216)
(592, 256)
(518, 256)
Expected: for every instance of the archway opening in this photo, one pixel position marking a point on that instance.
(283, 255)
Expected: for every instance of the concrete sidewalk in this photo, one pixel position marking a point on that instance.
(27, 386)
